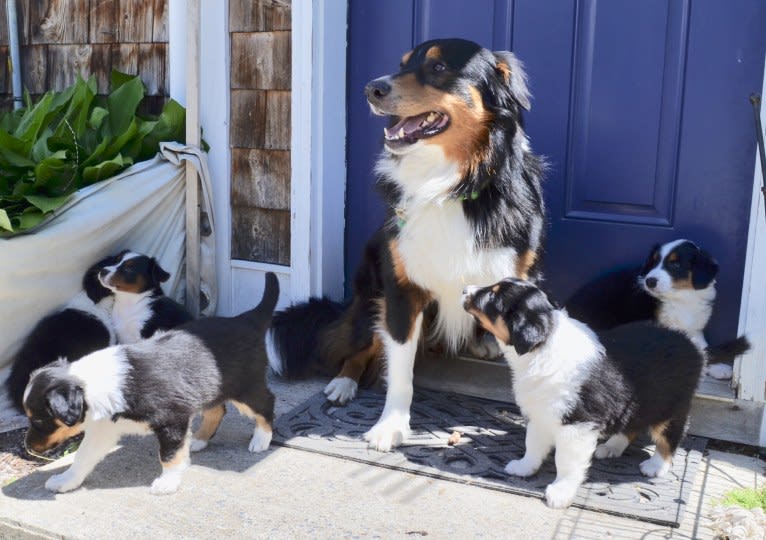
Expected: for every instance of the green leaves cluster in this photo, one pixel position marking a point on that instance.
(71, 139)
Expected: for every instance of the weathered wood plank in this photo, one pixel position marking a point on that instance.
(260, 235)
(278, 110)
(160, 29)
(59, 22)
(153, 68)
(34, 72)
(135, 21)
(103, 21)
(259, 15)
(260, 178)
(5, 77)
(68, 61)
(3, 26)
(261, 60)
(248, 109)
(125, 57)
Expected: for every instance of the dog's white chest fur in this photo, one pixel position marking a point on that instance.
(689, 312)
(436, 241)
(130, 313)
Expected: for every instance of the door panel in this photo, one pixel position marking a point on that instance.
(641, 109)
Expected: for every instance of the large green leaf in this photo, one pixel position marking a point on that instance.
(14, 152)
(33, 120)
(122, 105)
(5, 222)
(47, 204)
(105, 169)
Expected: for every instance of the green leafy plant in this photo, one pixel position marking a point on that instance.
(74, 138)
(748, 498)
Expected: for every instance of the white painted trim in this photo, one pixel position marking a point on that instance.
(300, 150)
(751, 368)
(260, 267)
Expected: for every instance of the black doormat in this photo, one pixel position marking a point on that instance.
(491, 434)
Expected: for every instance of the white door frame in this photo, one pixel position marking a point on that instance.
(318, 148)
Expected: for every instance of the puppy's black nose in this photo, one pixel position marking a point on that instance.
(651, 282)
(377, 89)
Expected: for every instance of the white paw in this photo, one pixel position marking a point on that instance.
(604, 451)
(197, 444)
(560, 494)
(166, 484)
(521, 467)
(260, 441)
(389, 432)
(655, 466)
(720, 371)
(340, 390)
(61, 483)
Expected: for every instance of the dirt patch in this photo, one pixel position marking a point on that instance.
(16, 462)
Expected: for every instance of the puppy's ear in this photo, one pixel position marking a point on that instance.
(704, 269)
(157, 272)
(66, 403)
(512, 72)
(527, 332)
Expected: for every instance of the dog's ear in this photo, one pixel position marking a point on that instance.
(512, 72)
(66, 402)
(531, 322)
(704, 269)
(157, 272)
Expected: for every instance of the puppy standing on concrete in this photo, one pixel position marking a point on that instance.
(574, 388)
(140, 306)
(156, 385)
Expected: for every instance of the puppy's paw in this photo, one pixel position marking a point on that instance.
(260, 441)
(560, 494)
(521, 467)
(655, 467)
(389, 432)
(165, 484)
(604, 451)
(341, 389)
(721, 372)
(197, 444)
(61, 483)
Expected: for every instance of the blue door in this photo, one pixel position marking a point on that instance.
(641, 109)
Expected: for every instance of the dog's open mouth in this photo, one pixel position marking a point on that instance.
(411, 129)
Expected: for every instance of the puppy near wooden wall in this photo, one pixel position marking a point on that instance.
(575, 388)
(156, 386)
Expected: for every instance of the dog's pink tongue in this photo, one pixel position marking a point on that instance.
(406, 126)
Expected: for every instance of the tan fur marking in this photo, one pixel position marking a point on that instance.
(672, 256)
(138, 286)
(524, 263)
(356, 364)
(62, 433)
(657, 433)
(434, 53)
(406, 57)
(211, 419)
(262, 423)
(505, 70)
(684, 283)
(497, 328)
(245, 410)
(181, 455)
(496, 288)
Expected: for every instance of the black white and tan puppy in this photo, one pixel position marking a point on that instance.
(156, 386)
(575, 388)
(675, 286)
(140, 306)
(465, 205)
(82, 326)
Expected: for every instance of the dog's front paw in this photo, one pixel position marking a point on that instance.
(260, 441)
(521, 467)
(604, 451)
(654, 467)
(560, 494)
(165, 484)
(61, 483)
(340, 390)
(721, 372)
(389, 432)
(197, 444)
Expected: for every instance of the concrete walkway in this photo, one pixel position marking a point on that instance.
(285, 493)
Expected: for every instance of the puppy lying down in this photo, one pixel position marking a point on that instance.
(575, 388)
(156, 386)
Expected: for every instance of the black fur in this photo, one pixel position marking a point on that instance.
(69, 333)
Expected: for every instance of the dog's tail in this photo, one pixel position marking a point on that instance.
(293, 341)
(264, 310)
(725, 353)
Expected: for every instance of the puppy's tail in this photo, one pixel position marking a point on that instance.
(293, 341)
(725, 353)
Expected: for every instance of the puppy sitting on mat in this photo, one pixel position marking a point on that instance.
(574, 388)
(156, 385)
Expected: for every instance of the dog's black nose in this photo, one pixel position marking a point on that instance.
(377, 89)
(651, 282)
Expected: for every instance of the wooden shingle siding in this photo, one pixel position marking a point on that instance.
(61, 39)
(260, 129)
